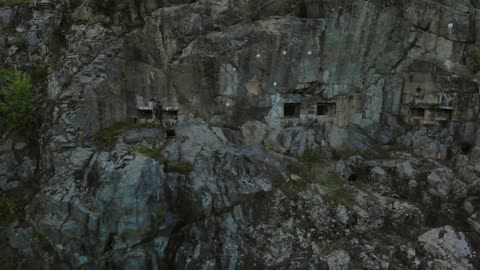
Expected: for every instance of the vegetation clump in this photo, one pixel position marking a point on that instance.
(473, 61)
(147, 151)
(22, 42)
(161, 213)
(11, 210)
(42, 240)
(268, 144)
(335, 190)
(18, 102)
(320, 175)
(310, 157)
(16, 3)
(179, 167)
(109, 136)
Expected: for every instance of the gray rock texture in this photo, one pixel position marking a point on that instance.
(221, 134)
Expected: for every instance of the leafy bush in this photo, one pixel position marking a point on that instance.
(473, 61)
(268, 144)
(17, 102)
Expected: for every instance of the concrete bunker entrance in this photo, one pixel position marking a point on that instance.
(443, 114)
(418, 112)
(326, 109)
(291, 110)
(145, 113)
(171, 114)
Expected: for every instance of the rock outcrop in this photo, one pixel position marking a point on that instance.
(217, 134)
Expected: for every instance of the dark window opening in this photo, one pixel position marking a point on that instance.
(171, 133)
(326, 109)
(418, 112)
(170, 114)
(291, 110)
(443, 123)
(411, 77)
(466, 148)
(145, 113)
(419, 90)
(443, 114)
(302, 11)
(443, 101)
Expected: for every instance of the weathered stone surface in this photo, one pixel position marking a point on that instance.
(292, 135)
(448, 249)
(338, 260)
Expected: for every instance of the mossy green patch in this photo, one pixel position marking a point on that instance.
(161, 213)
(473, 61)
(179, 167)
(268, 144)
(310, 157)
(16, 3)
(107, 137)
(42, 240)
(317, 172)
(147, 151)
(297, 169)
(341, 195)
(22, 42)
(11, 210)
(345, 154)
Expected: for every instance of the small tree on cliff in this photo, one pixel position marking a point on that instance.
(17, 102)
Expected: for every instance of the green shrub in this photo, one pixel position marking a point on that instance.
(473, 61)
(22, 42)
(161, 214)
(18, 102)
(39, 73)
(268, 144)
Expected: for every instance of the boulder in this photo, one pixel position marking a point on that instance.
(446, 248)
(338, 260)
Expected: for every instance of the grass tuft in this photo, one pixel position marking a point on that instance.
(147, 151)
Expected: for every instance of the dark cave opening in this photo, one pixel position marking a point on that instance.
(170, 133)
(466, 148)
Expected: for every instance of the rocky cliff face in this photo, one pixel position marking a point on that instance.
(237, 134)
